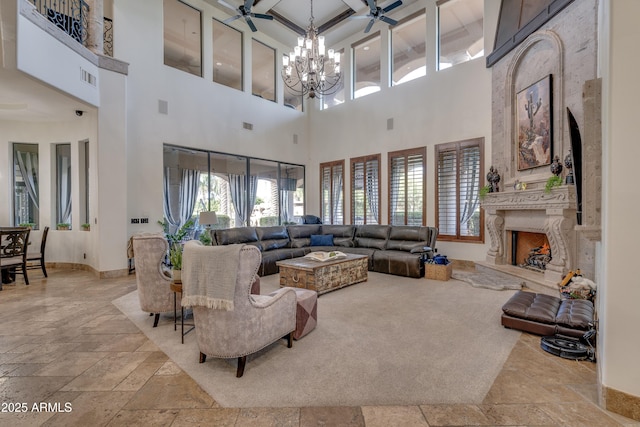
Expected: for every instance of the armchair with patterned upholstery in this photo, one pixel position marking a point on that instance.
(243, 323)
(154, 292)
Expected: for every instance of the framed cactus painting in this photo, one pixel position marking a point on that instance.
(534, 124)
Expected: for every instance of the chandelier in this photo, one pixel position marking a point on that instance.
(309, 70)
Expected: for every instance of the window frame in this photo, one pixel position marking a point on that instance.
(407, 20)
(364, 160)
(405, 154)
(35, 218)
(164, 39)
(60, 154)
(214, 22)
(448, 3)
(457, 147)
(331, 166)
(354, 64)
(254, 73)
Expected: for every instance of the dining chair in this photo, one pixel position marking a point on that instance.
(36, 260)
(13, 252)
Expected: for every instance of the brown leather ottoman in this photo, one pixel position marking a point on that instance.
(306, 312)
(543, 314)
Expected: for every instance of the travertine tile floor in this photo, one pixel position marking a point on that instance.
(67, 350)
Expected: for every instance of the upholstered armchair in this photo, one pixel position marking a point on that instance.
(251, 322)
(154, 292)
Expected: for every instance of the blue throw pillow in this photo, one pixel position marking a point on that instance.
(322, 240)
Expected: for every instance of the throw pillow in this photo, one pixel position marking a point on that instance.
(322, 240)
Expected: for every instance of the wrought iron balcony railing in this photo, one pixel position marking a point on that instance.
(107, 39)
(71, 16)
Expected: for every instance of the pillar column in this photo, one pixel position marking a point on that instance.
(95, 28)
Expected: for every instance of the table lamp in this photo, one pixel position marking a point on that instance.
(208, 218)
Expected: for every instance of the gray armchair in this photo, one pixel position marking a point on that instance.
(154, 292)
(252, 323)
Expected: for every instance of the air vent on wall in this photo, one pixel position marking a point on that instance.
(87, 77)
(163, 106)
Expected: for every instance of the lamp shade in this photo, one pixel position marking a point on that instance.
(208, 218)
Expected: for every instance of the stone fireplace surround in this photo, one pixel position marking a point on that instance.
(553, 214)
(569, 54)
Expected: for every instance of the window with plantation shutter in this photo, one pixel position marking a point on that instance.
(365, 190)
(407, 182)
(459, 168)
(332, 192)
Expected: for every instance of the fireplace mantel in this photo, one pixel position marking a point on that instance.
(534, 210)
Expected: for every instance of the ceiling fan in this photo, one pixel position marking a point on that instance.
(378, 13)
(244, 11)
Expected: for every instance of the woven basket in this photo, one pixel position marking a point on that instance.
(438, 271)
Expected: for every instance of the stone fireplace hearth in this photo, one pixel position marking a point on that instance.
(553, 214)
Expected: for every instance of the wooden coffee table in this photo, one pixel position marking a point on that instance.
(323, 276)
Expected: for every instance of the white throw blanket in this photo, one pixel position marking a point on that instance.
(209, 275)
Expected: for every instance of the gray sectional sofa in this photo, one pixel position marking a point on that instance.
(391, 249)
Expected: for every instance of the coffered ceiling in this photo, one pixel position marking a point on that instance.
(334, 18)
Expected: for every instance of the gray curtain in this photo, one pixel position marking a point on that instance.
(470, 192)
(64, 188)
(397, 171)
(28, 165)
(371, 185)
(243, 198)
(166, 200)
(336, 197)
(188, 194)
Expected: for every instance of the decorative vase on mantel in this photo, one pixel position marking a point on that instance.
(568, 163)
(556, 166)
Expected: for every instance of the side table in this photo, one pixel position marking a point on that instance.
(176, 287)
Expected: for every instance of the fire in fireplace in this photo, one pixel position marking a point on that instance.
(530, 250)
(538, 258)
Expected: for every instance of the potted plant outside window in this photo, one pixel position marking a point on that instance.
(86, 226)
(29, 225)
(63, 226)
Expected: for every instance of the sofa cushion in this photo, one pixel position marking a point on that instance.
(575, 313)
(372, 236)
(399, 263)
(230, 236)
(300, 235)
(407, 246)
(342, 234)
(531, 306)
(322, 240)
(272, 237)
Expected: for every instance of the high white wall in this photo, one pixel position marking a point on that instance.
(201, 114)
(619, 292)
(445, 106)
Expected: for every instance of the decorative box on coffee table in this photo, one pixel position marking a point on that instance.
(323, 276)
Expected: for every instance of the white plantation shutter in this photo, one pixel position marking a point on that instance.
(332, 192)
(365, 190)
(459, 171)
(407, 181)
(469, 193)
(447, 200)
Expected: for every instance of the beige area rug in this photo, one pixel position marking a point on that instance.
(388, 341)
